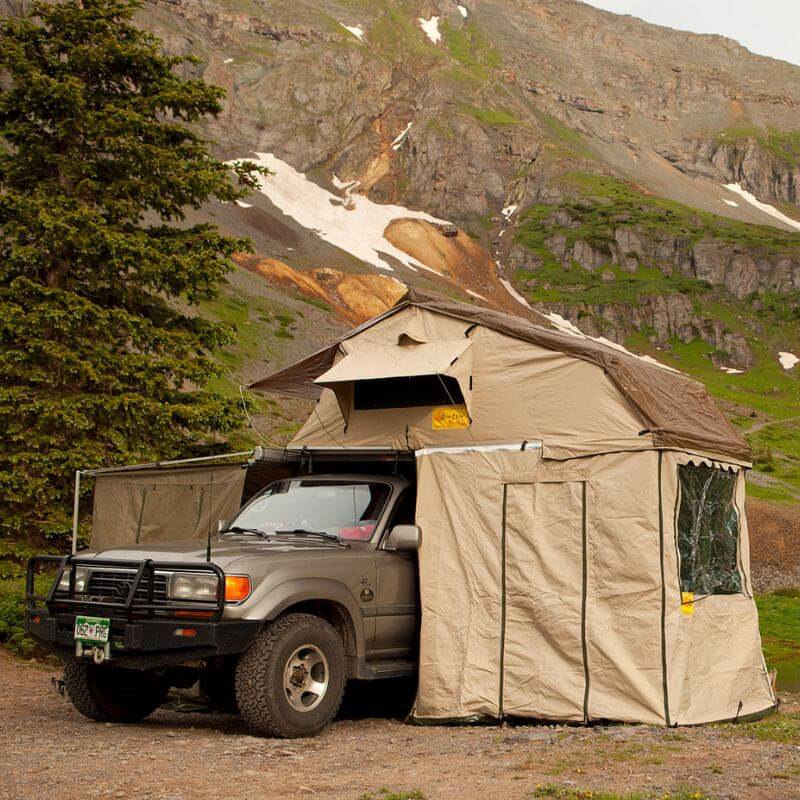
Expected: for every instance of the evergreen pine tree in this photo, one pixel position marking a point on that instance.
(98, 159)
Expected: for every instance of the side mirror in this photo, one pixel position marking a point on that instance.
(404, 537)
(222, 524)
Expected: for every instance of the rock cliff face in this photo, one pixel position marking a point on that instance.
(511, 95)
(595, 166)
(504, 82)
(738, 268)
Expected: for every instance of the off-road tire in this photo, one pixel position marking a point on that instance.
(109, 694)
(260, 693)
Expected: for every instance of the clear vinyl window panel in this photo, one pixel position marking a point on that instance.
(708, 531)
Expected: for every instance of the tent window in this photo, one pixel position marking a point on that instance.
(708, 531)
(407, 392)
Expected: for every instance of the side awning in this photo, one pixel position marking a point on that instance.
(159, 505)
(445, 358)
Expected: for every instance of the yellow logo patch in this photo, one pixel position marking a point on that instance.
(687, 603)
(449, 417)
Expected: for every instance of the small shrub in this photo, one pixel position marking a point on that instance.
(12, 608)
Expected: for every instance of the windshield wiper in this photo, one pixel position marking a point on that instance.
(331, 537)
(239, 529)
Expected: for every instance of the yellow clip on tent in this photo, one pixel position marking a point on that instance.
(584, 541)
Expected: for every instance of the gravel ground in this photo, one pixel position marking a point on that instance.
(50, 751)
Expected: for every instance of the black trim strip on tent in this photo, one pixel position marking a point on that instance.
(141, 516)
(663, 592)
(676, 511)
(500, 711)
(584, 593)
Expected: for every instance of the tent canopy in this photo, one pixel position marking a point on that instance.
(672, 410)
(157, 505)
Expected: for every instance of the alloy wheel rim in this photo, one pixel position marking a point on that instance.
(306, 677)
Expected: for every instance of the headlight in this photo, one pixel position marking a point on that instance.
(81, 579)
(193, 586)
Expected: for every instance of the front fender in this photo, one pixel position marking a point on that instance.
(300, 590)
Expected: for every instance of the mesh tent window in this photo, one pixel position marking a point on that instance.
(708, 531)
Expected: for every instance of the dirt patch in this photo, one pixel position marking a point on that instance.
(774, 544)
(49, 751)
(355, 298)
(368, 295)
(458, 259)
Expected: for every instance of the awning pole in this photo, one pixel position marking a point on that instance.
(76, 505)
(159, 464)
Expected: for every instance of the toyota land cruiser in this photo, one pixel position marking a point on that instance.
(314, 582)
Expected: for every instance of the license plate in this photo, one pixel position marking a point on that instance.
(92, 629)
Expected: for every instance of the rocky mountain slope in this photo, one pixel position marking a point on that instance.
(632, 182)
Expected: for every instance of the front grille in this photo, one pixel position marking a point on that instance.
(115, 585)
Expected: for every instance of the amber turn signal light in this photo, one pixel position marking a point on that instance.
(237, 588)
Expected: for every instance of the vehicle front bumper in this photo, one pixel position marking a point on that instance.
(146, 643)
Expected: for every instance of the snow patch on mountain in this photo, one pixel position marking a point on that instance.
(356, 30)
(765, 207)
(355, 225)
(565, 326)
(401, 137)
(431, 28)
(514, 293)
(463, 10)
(345, 186)
(508, 211)
(788, 360)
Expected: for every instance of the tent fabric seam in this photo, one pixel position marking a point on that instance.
(664, 674)
(584, 598)
(501, 710)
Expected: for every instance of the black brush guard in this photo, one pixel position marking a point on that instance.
(131, 607)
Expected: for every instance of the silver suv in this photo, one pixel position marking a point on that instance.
(314, 582)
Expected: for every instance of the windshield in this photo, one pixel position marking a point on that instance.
(347, 509)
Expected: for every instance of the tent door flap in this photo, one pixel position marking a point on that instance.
(543, 572)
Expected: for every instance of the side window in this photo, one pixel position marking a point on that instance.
(708, 531)
(405, 511)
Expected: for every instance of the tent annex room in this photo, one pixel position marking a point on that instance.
(584, 541)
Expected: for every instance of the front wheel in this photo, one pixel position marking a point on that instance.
(111, 694)
(290, 682)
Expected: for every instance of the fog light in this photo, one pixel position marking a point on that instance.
(237, 588)
(186, 632)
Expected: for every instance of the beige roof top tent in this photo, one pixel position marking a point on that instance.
(585, 547)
